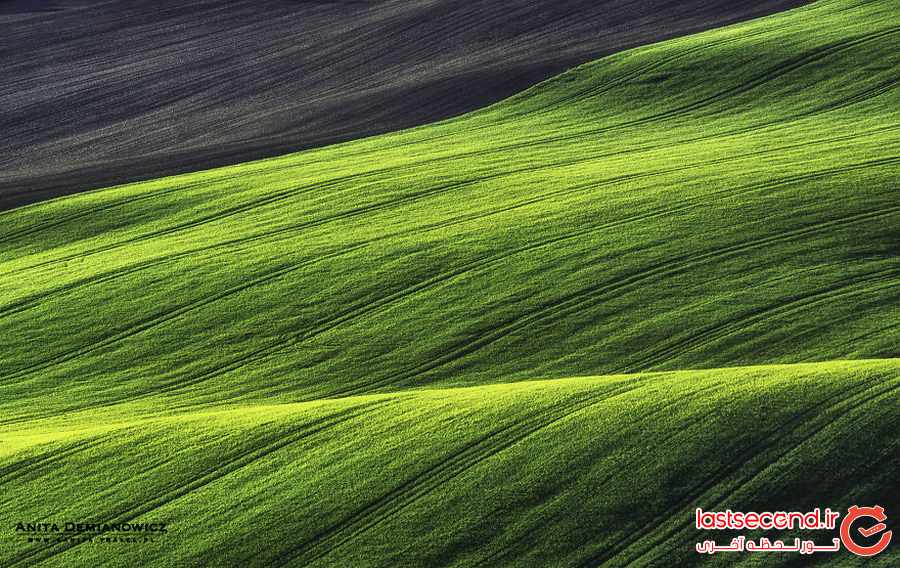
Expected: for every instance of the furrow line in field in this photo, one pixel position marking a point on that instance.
(682, 524)
(28, 465)
(478, 263)
(612, 437)
(785, 67)
(711, 334)
(269, 445)
(802, 424)
(158, 319)
(592, 294)
(334, 182)
(446, 469)
(642, 69)
(34, 300)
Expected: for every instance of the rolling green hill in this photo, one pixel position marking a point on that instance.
(562, 472)
(368, 354)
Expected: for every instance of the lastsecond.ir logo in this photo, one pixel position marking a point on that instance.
(855, 513)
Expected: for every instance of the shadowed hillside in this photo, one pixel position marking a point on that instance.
(586, 472)
(98, 93)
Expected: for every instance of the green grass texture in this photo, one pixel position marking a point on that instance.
(369, 354)
(569, 472)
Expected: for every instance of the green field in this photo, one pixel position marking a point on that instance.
(484, 475)
(538, 334)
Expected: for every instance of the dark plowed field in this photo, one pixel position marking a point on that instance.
(97, 93)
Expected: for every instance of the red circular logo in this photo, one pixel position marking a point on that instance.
(854, 513)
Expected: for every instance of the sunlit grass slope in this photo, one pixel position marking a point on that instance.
(571, 472)
(345, 356)
(727, 198)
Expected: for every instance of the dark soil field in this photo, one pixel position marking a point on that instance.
(97, 93)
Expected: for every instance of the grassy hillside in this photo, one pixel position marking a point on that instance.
(281, 340)
(724, 199)
(474, 476)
